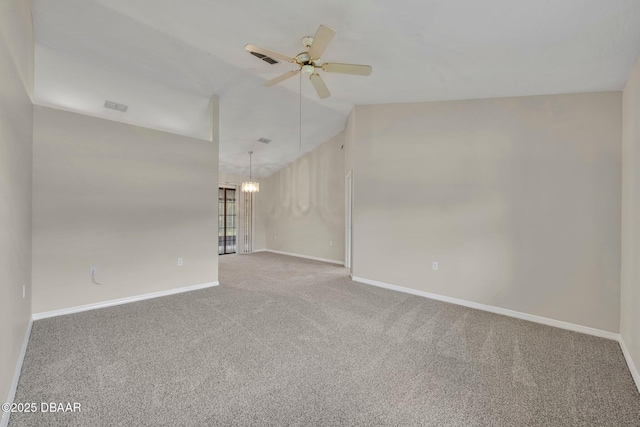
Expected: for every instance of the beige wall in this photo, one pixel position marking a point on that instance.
(305, 204)
(16, 124)
(259, 207)
(125, 199)
(630, 308)
(518, 199)
(349, 141)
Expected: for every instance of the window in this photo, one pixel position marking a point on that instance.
(227, 221)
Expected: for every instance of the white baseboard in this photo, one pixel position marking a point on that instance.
(78, 309)
(4, 421)
(632, 366)
(332, 261)
(498, 310)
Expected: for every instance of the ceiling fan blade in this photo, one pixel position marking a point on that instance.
(321, 41)
(281, 77)
(318, 83)
(269, 53)
(360, 70)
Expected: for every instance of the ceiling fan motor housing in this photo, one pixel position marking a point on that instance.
(303, 58)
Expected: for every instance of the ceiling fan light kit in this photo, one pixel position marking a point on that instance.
(309, 62)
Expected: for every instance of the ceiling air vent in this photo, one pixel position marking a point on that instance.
(264, 140)
(265, 58)
(115, 106)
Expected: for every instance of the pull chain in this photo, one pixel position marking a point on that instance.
(300, 147)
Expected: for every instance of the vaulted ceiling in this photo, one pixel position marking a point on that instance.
(165, 58)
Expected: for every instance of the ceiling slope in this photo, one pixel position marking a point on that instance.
(165, 59)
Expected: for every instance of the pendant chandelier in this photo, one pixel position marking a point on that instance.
(250, 187)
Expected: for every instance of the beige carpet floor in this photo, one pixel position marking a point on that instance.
(286, 341)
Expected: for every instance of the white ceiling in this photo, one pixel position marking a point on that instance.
(165, 58)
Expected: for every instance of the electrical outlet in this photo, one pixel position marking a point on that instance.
(24, 291)
(180, 262)
(435, 265)
(330, 242)
(275, 237)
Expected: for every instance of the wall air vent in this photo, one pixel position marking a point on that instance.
(265, 58)
(264, 140)
(115, 106)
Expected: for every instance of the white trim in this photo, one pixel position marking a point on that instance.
(498, 310)
(332, 261)
(4, 421)
(632, 366)
(80, 308)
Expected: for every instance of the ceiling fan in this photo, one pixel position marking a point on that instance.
(309, 61)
